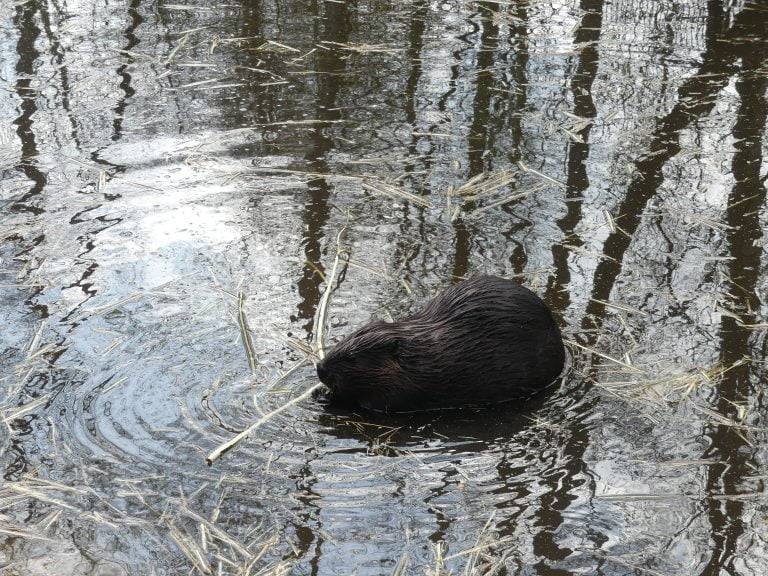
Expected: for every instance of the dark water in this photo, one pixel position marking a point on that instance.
(158, 160)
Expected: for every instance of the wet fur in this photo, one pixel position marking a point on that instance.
(482, 340)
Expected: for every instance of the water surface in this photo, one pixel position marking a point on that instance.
(170, 170)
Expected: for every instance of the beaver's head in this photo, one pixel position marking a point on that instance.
(365, 367)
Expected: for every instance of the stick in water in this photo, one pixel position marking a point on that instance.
(320, 332)
(322, 309)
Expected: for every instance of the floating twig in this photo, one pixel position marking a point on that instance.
(245, 333)
(395, 192)
(322, 309)
(526, 168)
(593, 351)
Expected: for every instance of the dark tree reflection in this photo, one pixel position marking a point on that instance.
(586, 39)
(729, 446)
(696, 98)
(25, 21)
(334, 26)
(574, 473)
(480, 129)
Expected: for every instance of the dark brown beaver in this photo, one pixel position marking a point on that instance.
(482, 340)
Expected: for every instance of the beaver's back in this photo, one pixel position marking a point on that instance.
(483, 340)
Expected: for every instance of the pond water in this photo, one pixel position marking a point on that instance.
(174, 179)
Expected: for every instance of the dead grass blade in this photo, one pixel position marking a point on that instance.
(596, 353)
(322, 309)
(245, 333)
(542, 176)
(12, 414)
(190, 549)
(395, 192)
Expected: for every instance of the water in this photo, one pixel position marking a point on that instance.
(163, 163)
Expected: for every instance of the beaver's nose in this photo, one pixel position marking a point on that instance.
(323, 373)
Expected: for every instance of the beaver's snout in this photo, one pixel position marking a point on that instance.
(324, 373)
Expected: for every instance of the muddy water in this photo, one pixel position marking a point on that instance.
(176, 173)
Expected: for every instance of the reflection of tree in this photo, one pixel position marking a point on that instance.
(122, 71)
(728, 446)
(110, 169)
(518, 44)
(308, 530)
(508, 467)
(57, 51)
(329, 64)
(586, 38)
(458, 57)
(413, 57)
(24, 20)
(479, 130)
(261, 102)
(407, 249)
(28, 33)
(559, 496)
(696, 99)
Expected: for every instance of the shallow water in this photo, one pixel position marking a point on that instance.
(170, 169)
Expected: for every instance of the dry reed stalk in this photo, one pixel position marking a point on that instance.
(435, 135)
(439, 567)
(322, 309)
(190, 549)
(485, 183)
(622, 307)
(474, 552)
(272, 46)
(364, 48)
(246, 569)
(17, 487)
(179, 46)
(721, 420)
(309, 122)
(397, 193)
(217, 532)
(287, 373)
(306, 174)
(245, 333)
(12, 414)
(633, 567)
(526, 168)
(223, 86)
(194, 84)
(402, 565)
(663, 387)
(217, 453)
(19, 532)
(498, 203)
(380, 274)
(596, 353)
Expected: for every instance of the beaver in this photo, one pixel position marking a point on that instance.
(483, 340)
